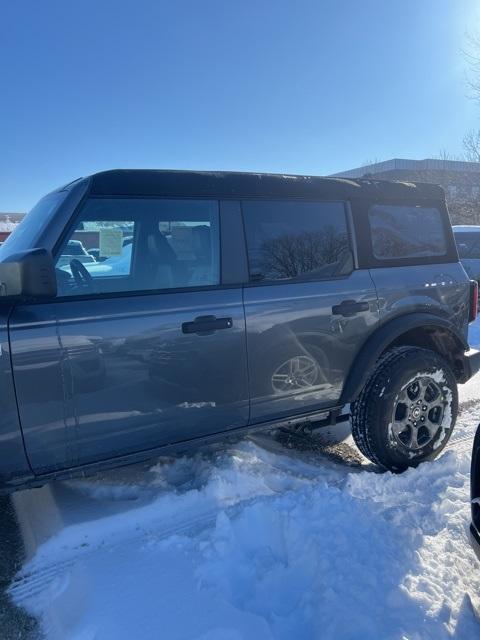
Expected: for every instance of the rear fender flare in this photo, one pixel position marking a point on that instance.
(386, 335)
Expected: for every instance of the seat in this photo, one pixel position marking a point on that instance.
(202, 247)
(162, 260)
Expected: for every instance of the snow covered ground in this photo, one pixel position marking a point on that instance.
(258, 540)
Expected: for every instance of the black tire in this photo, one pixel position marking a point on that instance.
(390, 439)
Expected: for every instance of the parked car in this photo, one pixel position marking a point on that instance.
(467, 238)
(95, 253)
(243, 302)
(74, 249)
(113, 266)
(475, 494)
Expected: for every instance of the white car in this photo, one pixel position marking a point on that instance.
(113, 266)
(75, 251)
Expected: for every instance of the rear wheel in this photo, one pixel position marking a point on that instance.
(407, 409)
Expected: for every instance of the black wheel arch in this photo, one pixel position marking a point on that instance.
(414, 329)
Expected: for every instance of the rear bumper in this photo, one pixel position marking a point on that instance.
(470, 365)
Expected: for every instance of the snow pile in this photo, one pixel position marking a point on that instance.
(262, 542)
(8, 225)
(374, 559)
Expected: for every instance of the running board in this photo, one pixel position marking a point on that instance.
(314, 421)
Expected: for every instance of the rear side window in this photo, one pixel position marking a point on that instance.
(406, 231)
(296, 240)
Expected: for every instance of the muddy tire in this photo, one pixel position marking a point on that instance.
(406, 412)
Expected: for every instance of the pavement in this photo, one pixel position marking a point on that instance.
(15, 624)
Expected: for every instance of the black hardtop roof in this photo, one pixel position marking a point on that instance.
(225, 184)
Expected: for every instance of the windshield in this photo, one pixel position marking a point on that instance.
(27, 232)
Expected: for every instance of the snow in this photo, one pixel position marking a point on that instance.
(8, 225)
(257, 540)
(474, 334)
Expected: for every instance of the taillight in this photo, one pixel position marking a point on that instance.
(473, 301)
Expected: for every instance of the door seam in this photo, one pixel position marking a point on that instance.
(15, 388)
(71, 445)
(246, 358)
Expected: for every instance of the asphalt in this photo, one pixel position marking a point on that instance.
(15, 624)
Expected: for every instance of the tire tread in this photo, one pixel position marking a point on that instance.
(364, 409)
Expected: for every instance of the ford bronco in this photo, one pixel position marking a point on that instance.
(214, 304)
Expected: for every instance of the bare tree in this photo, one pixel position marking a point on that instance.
(472, 56)
(444, 155)
(471, 140)
(291, 255)
(370, 161)
(471, 144)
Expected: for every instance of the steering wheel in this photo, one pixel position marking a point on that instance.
(81, 276)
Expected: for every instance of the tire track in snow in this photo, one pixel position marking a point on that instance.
(38, 579)
(307, 464)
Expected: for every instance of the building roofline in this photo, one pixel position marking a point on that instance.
(403, 164)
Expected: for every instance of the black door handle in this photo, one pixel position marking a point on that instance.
(207, 324)
(349, 308)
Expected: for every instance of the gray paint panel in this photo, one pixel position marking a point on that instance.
(441, 289)
(118, 375)
(286, 321)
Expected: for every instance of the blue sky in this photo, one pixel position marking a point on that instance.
(299, 86)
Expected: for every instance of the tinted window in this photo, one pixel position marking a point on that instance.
(406, 232)
(468, 244)
(131, 244)
(306, 240)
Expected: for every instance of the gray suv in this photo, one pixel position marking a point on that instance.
(224, 303)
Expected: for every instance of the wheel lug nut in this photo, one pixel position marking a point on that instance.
(424, 408)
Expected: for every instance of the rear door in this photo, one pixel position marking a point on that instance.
(143, 347)
(308, 309)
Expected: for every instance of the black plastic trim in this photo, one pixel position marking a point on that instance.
(236, 185)
(381, 339)
(233, 250)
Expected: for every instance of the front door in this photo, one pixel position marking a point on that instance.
(143, 346)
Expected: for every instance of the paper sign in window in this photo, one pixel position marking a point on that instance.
(111, 241)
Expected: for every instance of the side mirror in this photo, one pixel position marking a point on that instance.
(28, 274)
